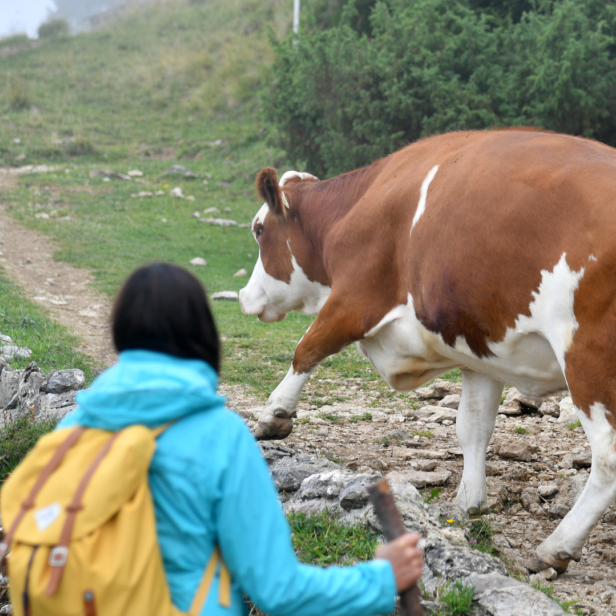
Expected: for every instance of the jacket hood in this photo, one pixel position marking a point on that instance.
(148, 388)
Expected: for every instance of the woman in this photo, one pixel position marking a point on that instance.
(208, 479)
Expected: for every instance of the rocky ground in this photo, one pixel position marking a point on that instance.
(537, 467)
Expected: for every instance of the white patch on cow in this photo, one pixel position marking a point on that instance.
(286, 395)
(285, 201)
(599, 492)
(423, 196)
(403, 350)
(259, 218)
(272, 299)
(592, 258)
(295, 174)
(532, 355)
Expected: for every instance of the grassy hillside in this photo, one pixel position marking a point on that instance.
(175, 83)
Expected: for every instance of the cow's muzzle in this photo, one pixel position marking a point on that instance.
(273, 428)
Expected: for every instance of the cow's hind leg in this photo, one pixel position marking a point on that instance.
(567, 541)
(474, 426)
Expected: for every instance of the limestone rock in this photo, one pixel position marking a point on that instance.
(583, 460)
(550, 407)
(548, 490)
(181, 171)
(451, 401)
(530, 496)
(62, 381)
(176, 192)
(517, 450)
(568, 413)
(514, 396)
(443, 414)
(198, 262)
(242, 273)
(289, 472)
(221, 222)
(500, 595)
(324, 485)
(355, 494)
(422, 479)
(439, 389)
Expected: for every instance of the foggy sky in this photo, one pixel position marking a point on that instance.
(18, 16)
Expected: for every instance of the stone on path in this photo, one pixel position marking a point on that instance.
(583, 460)
(422, 479)
(230, 296)
(439, 389)
(451, 401)
(517, 450)
(198, 262)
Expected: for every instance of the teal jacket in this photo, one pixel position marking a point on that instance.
(210, 486)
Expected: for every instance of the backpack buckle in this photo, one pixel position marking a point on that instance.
(58, 556)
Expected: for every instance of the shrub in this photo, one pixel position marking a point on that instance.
(17, 438)
(341, 98)
(54, 28)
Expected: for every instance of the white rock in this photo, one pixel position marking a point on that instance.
(198, 261)
(43, 215)
(135, 173)
(221, 222)
(176, 192)
(158, 193)
(442, 414)
(211, 210)
(568, 413)
(230, 296)
(196, 215)
(451, 401)
(190, 198)
(240, 273)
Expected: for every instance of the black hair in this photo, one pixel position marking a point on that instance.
(164, 308)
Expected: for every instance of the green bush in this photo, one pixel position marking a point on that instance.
(341, 99)
(17, 438)
(53, 28)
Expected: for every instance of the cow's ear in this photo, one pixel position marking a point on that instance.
(269, 190)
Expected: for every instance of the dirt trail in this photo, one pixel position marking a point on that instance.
(67, 292)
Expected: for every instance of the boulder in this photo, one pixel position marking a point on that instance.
(439, 389)
(422, 479)
(550, 407)
(62, 381)
(500, 595)
(442, 414)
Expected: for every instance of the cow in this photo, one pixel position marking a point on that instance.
(493, 252)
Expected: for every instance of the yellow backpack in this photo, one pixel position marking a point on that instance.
(80, 527)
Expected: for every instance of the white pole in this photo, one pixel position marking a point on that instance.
(295, 16)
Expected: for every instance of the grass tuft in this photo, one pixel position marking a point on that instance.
(364, 417)
(520, 430)
(457, 599)
(320, 539)
(572, 425)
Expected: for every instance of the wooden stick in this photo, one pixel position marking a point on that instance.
(391, 524)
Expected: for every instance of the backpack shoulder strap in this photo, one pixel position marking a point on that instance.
(224, 590)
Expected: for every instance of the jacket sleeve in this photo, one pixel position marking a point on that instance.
(255, 541)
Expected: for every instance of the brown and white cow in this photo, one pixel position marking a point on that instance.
(493, 252)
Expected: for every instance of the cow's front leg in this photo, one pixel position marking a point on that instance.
(332, 331)
(276, 419)
(474, 426)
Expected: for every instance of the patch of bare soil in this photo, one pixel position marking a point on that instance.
(67, 292)
(403, 439)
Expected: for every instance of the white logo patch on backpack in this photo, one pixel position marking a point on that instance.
(46, 516)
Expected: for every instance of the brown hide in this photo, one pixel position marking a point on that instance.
(503, 207)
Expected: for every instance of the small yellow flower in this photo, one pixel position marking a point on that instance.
(166, 185)
(450, 521)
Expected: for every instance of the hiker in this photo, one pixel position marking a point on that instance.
(209, 481)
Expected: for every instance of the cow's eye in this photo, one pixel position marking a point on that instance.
(258, 231)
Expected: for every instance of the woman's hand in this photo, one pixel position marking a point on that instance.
(405, 557)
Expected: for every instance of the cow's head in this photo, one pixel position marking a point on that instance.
(274, 289)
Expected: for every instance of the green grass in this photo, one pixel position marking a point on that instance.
(430, 495)
(17, 438)
(424, 433)
(549, 592)
(457, 599)
(358, 418)
(572, 425)
(29, 325)
(520, 430)
(320, 539)
(481, 533)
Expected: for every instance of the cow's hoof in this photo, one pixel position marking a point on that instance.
(277, 429)
(536, 564)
